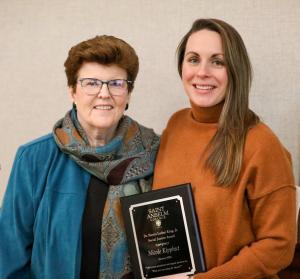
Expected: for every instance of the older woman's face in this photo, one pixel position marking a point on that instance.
(99, 113)
(204, 74)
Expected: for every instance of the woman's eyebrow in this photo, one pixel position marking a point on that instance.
(217, 54)
(191, 53)
(195, 53)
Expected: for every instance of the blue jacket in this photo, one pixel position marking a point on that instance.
(44, 202)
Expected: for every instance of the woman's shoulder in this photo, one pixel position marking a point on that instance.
(44, 140)
(262, 136)
(178, 117)
(148, 137)
(42, 146)
(179, 114)
(149, 132)
(262, 142)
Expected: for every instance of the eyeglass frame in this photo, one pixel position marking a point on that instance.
(129, 83)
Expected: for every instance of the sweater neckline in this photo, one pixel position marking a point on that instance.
(207, 114)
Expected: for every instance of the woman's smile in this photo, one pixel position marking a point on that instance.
(204, 88)
(103, 107)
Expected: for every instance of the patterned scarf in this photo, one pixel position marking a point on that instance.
(126, 162)
(127, 157)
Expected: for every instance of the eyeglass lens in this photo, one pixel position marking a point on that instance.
(93, 86)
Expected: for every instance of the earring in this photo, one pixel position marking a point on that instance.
(74, 106)
(126, 107)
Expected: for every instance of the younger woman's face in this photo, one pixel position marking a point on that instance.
(204, 74)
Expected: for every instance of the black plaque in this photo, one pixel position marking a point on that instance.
(162, 232)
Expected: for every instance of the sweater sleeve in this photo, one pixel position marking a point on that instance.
(272, 202)
(16, 222)
(273, 249)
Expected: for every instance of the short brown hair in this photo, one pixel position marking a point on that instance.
(106, 50)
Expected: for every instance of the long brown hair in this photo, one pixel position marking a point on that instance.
(227, 145)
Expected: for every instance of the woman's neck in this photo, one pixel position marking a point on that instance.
(97, 136)
(207, 114)
(98, 139)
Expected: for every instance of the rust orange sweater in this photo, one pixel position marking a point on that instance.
(247, 229)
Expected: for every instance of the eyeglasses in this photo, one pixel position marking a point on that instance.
(116, 87)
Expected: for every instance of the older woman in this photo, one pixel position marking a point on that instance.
(60, 216)
(240, 172)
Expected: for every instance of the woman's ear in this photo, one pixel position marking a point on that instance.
(71, 92)
(128, 101)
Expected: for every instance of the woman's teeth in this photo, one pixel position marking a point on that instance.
(104, 107)
(204, 87)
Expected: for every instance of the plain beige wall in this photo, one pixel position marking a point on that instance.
(37, 34)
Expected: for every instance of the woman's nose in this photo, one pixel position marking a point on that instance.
(104, 91)
(203, 70)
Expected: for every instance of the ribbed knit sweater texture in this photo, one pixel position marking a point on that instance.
(247, 229)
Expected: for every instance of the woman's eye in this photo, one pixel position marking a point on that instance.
(91, 83)
(117, 83)
(193, 60)
(218, 63)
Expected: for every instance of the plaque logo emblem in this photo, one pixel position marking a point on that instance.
(158, 223)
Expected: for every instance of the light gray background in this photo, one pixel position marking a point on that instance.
(35, 36)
